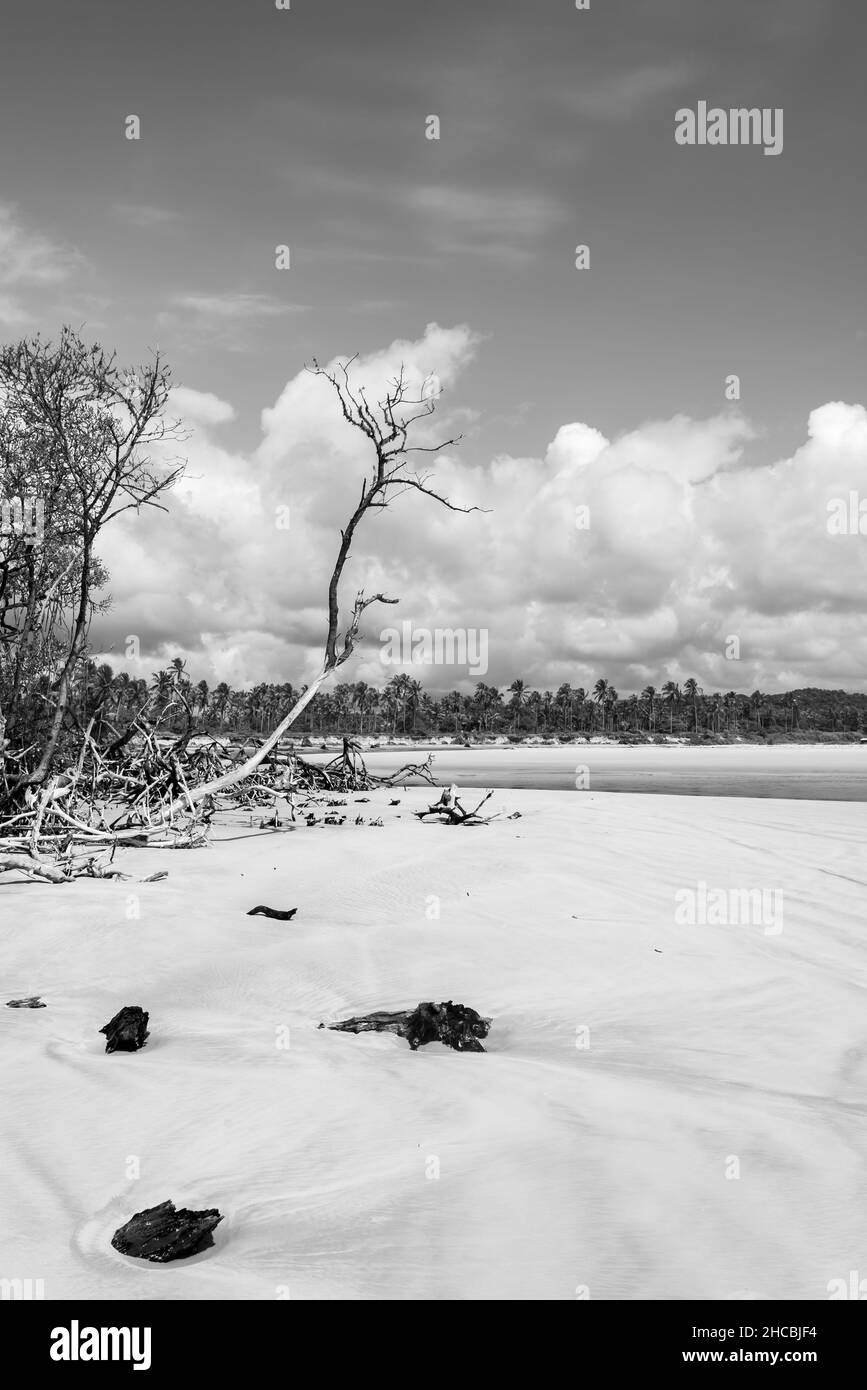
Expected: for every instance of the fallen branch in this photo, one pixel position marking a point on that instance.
(450, 811)
(36, 868)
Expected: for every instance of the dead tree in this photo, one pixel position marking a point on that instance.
(386, 425)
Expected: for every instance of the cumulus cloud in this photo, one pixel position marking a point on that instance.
(685, 545)
(202, 406)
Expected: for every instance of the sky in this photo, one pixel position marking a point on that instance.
(704, 546)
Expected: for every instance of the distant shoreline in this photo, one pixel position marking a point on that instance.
(333, 744)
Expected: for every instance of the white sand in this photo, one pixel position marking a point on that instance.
(558, 1166)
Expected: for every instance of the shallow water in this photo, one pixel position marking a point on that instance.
(819, 773)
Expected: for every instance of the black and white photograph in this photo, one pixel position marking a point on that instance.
(433, 662)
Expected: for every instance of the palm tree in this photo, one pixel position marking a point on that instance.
(430, 713)
(390, 704)
(611, 698)
(600, 696)
(400, 689)
(715, 710)
(163, 682)
(730, 704)
(671, 695)
(453, 704)
(757, 699)
(534, 701)
(579, 698)
(546, 702)
(220, 701)
(516, 702)
(361, 702)
(97, 688)
(692, 690)
(201, 694)
(413, 698)
(342, 696)
(564, 702)
(649, 694)
(123, 692)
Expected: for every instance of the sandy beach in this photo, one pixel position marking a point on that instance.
(709, 1142)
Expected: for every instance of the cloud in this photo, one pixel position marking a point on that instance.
(29, 262)
(29, 258)
(503, 223)
(201, 406)
(12, 312)
(222, 320)
(234, 306)
(144, 215)
(688, 544)
(619, 98)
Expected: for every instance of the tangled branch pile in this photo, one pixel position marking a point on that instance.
(138, 789)
(81, 442)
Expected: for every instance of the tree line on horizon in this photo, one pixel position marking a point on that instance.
(403, 707)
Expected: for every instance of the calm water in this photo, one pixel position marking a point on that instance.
(814, 773)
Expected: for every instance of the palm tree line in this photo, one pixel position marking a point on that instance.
(403, 707)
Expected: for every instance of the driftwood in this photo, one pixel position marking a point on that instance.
(274, 912)
(454, 1025)
(35, 868)
(139, 784)
(127, 1031)
(449, 810)
(165, 1233)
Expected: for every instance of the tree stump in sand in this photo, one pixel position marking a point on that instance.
(127, 1031)
(454, 1025)
(164, 1233)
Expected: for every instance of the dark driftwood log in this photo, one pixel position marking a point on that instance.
(33, 1002)
(454, 1025)
(450, 811)
(273, 912)
(163, 1233)
(127, 1031)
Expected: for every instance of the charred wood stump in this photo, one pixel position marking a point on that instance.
(453, 1025)
(165, 1233)
(127, 1031)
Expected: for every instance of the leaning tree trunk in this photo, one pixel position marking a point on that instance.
(237, 774)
